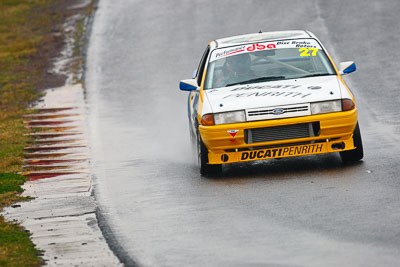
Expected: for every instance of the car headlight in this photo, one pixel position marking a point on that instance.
(326, 107)
(230, 117)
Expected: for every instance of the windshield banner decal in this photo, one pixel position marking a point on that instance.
(225, 52)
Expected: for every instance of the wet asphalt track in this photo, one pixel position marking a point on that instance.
(306, 211)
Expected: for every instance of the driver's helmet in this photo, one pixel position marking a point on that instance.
(239, 64)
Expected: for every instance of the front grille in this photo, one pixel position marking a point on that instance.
(288, 111)
(284, 132)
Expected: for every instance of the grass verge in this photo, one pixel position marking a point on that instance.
(21, 31)
(30, 37)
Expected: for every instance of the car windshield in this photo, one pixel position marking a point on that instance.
(263, 62)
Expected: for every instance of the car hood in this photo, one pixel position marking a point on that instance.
(274, 93)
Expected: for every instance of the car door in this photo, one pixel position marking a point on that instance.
(195, 95)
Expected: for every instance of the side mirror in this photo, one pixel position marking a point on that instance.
(188, 85)
(194, 74)
(347, 67)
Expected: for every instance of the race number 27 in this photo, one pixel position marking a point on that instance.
(306, 52)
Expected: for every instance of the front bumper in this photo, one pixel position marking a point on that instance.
(336, 132)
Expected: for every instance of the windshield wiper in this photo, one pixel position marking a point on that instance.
(314, 75)
(259, 79)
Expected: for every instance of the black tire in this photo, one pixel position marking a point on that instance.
(355, 154)
(202, 160)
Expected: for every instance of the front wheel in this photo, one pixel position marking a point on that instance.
(355, 154)
(202, 160)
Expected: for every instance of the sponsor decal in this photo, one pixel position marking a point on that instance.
(269, 94)
(254, 47)
(303, 44)
(283, 43)
(314, 87)
(275, 86)
(309, 44)
(282, 152)
(299, 44)
(233, 133)
(229, 52)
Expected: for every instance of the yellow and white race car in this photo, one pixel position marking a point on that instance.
(270, 95)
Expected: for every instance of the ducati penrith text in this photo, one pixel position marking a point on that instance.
(283, 152)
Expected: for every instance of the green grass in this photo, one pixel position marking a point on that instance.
(12, 142)
(24, 26)
(11, 182)
(27, 32)
(16, 248)
(20, 34)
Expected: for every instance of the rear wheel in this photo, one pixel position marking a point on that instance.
(202, 160)
(355, 154)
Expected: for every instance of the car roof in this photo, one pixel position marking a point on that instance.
(262, 37)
